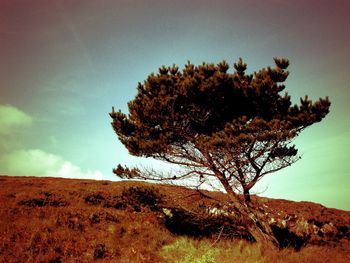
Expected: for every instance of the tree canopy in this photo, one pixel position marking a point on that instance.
(232, 127)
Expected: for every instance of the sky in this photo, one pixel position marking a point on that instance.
(64, 64)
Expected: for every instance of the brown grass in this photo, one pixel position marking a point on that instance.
(62, 220)
(185, 250)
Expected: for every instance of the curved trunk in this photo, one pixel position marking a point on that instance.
(262, 232)
(256, 225)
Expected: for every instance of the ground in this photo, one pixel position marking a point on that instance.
(66, 220)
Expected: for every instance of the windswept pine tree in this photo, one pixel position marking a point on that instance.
(231, 127)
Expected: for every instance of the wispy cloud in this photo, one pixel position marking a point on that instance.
(36, 162)
(12, 118)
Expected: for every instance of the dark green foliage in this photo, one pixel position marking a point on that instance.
(56, 260)
(126, 172)
(94, 199)
(138, 197)
(47, 199)
(286, 238)
(182, 222)
(135, 198)
(100, 252)
(97, 218)
(236, 127)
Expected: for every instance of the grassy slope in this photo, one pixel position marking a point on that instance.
(63, 220)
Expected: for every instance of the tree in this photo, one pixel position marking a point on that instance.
(233, 127)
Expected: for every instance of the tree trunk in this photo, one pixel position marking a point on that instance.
(261, 231)
(247, 196)
(256, 224)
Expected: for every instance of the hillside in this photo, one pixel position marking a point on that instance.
(65, 220)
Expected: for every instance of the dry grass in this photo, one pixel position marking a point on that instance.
(61, 220)
(185, 250)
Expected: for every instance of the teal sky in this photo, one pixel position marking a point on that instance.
(64, 64)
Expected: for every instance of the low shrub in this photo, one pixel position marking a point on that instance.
(183, 222)
(100, 251)
(286, 238)
(141, 197)
(94, 199)
(47, 199)
(135, 198)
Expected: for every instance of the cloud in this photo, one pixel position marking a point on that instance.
(36, 162)
(12, 118)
